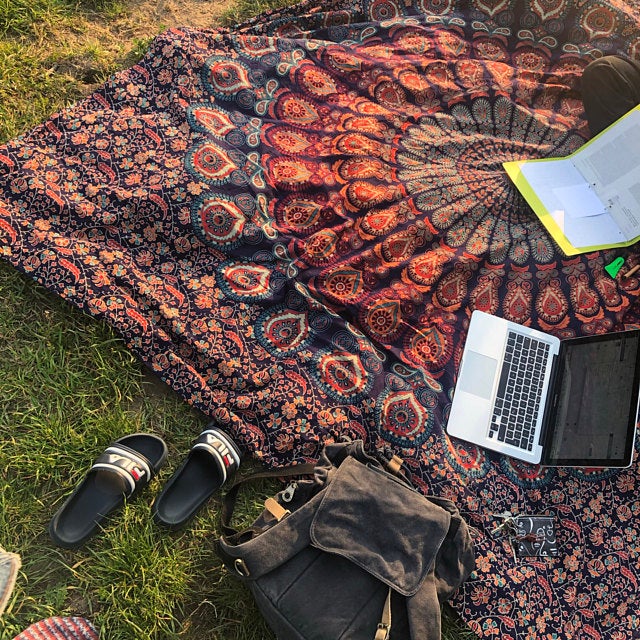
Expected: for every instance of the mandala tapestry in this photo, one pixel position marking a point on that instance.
(291, 222)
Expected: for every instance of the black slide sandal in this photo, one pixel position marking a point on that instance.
(121, 472)
(212, 459)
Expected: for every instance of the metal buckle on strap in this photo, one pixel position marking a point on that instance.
(384, 626)
(289, 492)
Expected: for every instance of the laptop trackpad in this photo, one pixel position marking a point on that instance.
(479, 372)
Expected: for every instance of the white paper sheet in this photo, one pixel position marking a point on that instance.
(580, 201)
(599, 230)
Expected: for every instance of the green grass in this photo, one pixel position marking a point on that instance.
(68, 386)
(245, 9)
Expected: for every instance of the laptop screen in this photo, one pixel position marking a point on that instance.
(597, 401)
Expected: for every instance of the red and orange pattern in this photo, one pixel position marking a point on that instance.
(291, 223)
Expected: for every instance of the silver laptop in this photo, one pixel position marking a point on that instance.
(529, 395)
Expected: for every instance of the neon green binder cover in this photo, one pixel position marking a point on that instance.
(590, 199)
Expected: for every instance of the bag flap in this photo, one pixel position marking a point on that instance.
(380, 524)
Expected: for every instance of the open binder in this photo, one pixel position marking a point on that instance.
(590, 199)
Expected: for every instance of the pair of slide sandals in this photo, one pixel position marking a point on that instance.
(127, 466)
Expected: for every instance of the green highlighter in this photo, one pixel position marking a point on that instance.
(615, 266)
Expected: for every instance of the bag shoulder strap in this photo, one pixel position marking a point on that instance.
(229, 503)
(393, 465)
(384, 626)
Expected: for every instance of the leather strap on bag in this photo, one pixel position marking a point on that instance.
(384, 626)
(231, 496)
(276, 509)
(394, 465)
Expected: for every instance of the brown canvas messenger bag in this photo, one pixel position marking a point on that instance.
(354, 552)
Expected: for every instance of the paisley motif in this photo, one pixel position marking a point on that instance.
(403, 420)
(283, 331)
(341, 375)
(211, 162)
(288, 173)
(218, 220)
(317, 82)
(413, 81)
(224, 78)
(297, 110)
(583, 298)
(485, 296)
(302, 215)
(362, 195)
(382, 319)
(429, 348)
(340, 59)
(466, 458)
(415, 41)
(400, 247)
(551, 305)
(517, 303)
(390, 95)
(358, 167)
(243, 280)
(288, 140)
(452, 288)
(321, 247)
(380, 222)
(343, 285)
(424, 270)
(356, 144)
(210, 119)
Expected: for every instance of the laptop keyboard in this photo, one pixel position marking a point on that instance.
(519, 392)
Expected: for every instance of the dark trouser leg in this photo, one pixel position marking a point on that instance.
(610, 88)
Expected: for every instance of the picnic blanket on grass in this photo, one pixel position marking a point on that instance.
(291, 222)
